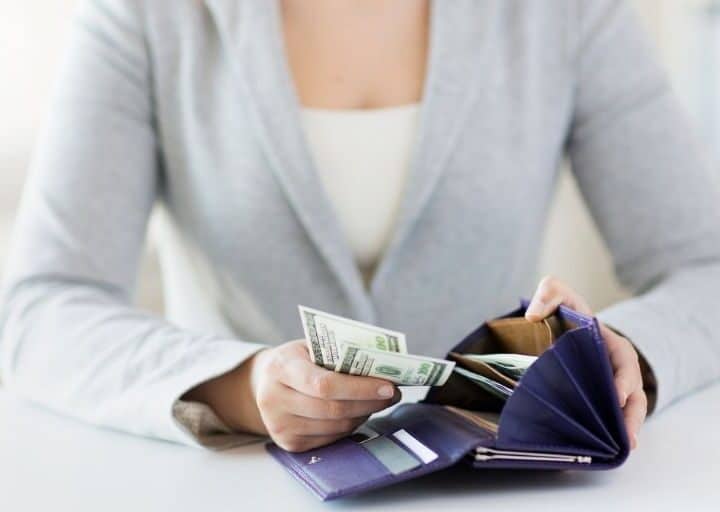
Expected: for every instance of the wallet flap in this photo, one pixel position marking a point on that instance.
(430, 436)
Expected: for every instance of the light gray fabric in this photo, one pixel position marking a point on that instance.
(190, 105)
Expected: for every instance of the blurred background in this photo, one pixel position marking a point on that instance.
(33, 34)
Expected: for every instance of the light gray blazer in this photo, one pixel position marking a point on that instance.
(189, 105)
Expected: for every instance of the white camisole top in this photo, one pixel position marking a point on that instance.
(363, 160)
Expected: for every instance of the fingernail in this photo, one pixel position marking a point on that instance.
(623, 399)
(386, 391)
(634, 441)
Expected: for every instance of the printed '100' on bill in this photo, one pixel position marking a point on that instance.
(403, 369)
(327, 334)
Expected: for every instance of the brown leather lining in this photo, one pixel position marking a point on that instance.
(520, 336)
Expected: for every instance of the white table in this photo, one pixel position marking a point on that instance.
(51, 463)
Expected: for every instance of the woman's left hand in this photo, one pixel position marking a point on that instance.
(550, 293)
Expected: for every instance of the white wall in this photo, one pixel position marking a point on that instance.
(573, 249)
(32, 34)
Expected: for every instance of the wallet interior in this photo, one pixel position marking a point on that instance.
(565, 403)
(512, 334)
(562, 414)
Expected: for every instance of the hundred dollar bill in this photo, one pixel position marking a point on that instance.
(403, 369)
(327, 334)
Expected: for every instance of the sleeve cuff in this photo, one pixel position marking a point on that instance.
(192, 423)
(632, 321)
(200, 421)
(649, 380)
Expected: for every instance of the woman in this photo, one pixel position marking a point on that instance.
(390, 161)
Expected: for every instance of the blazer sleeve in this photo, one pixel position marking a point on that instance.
(70, 338)
(655, 195)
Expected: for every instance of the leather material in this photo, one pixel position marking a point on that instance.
(565, 403)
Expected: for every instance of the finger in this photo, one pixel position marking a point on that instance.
(550, 293)
(627, 381)
(300, 444)
(293, 426)
(635, 411)
(626, 367)
(298, 404)
(312, 380)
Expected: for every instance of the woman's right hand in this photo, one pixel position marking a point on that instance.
(281, 392)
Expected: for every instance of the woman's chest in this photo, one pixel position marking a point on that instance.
(356, 55)
(493, 122)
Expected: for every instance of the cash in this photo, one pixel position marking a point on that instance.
(403, 369)
(513, 366)
(493, 387)
(328, 334)
(356, 348)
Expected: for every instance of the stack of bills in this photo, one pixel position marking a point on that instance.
(356, 348)
(512, 366)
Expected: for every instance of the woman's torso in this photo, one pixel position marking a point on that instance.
(247, 233)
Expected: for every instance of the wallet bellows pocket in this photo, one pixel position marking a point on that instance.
(564, 403)
(513, 335)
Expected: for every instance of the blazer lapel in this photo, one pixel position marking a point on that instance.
(458, 51)
(253, 33)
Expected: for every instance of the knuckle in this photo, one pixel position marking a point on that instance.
(336, 410)
(276, 429)
(274, 362)
(322, 384)
(296, 348)
(264, 400)
(622, 375)
(347, 425)
(548, 282)
(350, 424)
(291, 444)
(628, 348)
(548, 289)
(621, 382)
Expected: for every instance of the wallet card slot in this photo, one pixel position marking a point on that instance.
(339, 468)
(425, 454)
(415, 439)
(445, 433)
(396, 459)
(347, 467)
